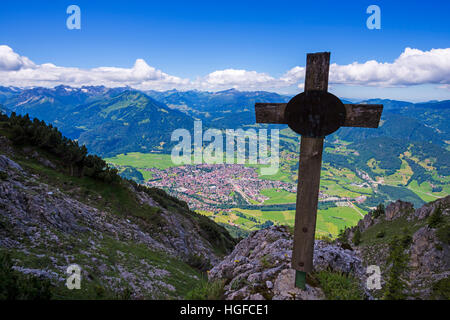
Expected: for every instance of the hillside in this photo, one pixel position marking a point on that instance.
(411, 248)
(60, 206)
(130, 241)
(108, 121)
(406, 158)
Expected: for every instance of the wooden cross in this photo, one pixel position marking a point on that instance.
(314, 114)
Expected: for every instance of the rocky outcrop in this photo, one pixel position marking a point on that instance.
(429, 257)
(398, 209)
(366, 222)
(42, 223)
(429, 261)
(427, 209)
(259, 267)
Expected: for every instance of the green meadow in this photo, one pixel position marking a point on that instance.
(335, 181)
(143, 160)
(277, 196)
(329, 221)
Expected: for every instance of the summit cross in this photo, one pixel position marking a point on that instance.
(314, 114)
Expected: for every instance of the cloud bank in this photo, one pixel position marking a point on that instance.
(412, 67)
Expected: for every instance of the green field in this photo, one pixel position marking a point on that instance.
(143, 160)
(329, 221)
(336, 181)
(424, 191)
(278, 196)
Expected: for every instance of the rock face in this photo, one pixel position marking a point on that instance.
(259, 267)
(427, 209)
(366, 222)
(398, 209)
(428, 259)
(40, 222)
(429, 256)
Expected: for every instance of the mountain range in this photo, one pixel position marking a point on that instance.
(128, 241)
(111, 121)
(99, 116)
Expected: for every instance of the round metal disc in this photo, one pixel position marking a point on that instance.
(315, 113)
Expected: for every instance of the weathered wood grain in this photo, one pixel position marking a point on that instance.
(363, 115)
(357, 115)
(307, 199)
(270, 112)
(317, 65)
(310, 162)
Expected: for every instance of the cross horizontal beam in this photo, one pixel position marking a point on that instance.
(357, 115)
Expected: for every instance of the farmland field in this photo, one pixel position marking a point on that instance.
(251, 204)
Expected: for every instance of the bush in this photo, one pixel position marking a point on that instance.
(396, 283)
(380, 234)
(406, 238)
(3, 175)
(435, 219)
(378, 211)
(441, 289)
(207, 291)
(325, 238)
(73, 157)
(443, 233)
(342, 237)
(339, 286)
(357, 237)
(198, 262)
(17, 286)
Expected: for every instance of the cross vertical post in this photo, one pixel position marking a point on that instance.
(310, 163)
(314, 114)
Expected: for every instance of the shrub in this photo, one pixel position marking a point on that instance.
(238, 283)
(443, 233)
(435, 219)
(357, 237)
(342, 238)
(3, 175)
(396, 282)
(207, 291)
(441, 289)
(17, 286)
(406, 238)
(325, 238)
(266, 261)
(339, 286)
(378, 211)
(74, 158)
(198, 262)
(380, 234)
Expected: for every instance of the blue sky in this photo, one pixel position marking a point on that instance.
(192, 39)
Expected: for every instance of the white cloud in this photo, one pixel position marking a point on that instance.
(20, 71)
(239, 79)
(9, 60)
(412, 67)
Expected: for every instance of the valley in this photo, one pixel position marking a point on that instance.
(406, 158)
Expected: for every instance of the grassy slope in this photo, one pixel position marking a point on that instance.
(116, 199)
